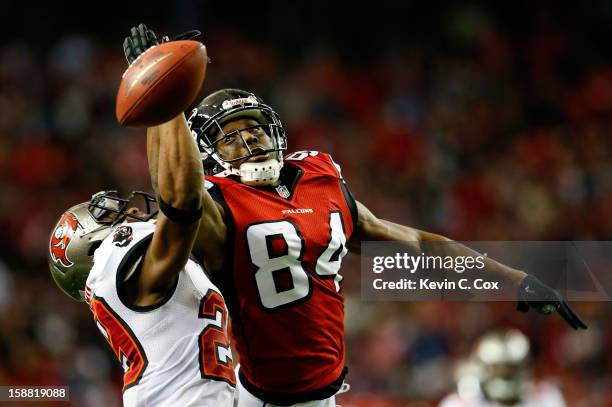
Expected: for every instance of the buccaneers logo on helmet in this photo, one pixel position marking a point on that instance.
(61, 237)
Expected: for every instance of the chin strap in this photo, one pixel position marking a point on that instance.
(260, 173)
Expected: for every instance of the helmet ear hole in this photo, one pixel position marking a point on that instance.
(94, 246)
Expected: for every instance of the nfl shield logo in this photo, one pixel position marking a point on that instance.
(283, 191)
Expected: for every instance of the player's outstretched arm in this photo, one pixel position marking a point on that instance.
(531, 292)
(210, 239)
(371, 228)
(210, 242)
(177, 178)
(180, 181)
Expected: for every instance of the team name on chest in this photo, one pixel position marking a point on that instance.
(297, 211)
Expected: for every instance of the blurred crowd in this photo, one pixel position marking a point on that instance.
(491, 137)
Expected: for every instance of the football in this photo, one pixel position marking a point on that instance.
(161, 83)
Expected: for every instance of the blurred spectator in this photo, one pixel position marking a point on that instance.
(498, 373)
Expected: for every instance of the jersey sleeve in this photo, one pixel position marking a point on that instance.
(324, 163)
(348, 196)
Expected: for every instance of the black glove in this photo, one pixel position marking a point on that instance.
(535, 294)
(142, 38)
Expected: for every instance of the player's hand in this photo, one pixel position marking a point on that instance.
(532, 293)
(142, 38)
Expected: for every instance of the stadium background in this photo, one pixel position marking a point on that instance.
(477, 121)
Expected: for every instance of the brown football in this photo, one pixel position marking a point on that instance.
(161, 83)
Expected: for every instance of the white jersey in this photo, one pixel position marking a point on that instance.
(540, 395)
(175, 353)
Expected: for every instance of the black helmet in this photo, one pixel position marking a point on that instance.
(206, 123)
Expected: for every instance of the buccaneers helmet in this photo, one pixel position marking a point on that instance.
(81, 230)
(206, 124)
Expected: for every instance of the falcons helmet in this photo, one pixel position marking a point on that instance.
(206, 124)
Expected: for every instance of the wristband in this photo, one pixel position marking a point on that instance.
(182, 216)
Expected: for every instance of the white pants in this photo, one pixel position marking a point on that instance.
(245, 399)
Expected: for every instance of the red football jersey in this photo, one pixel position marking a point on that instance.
(280, 278)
